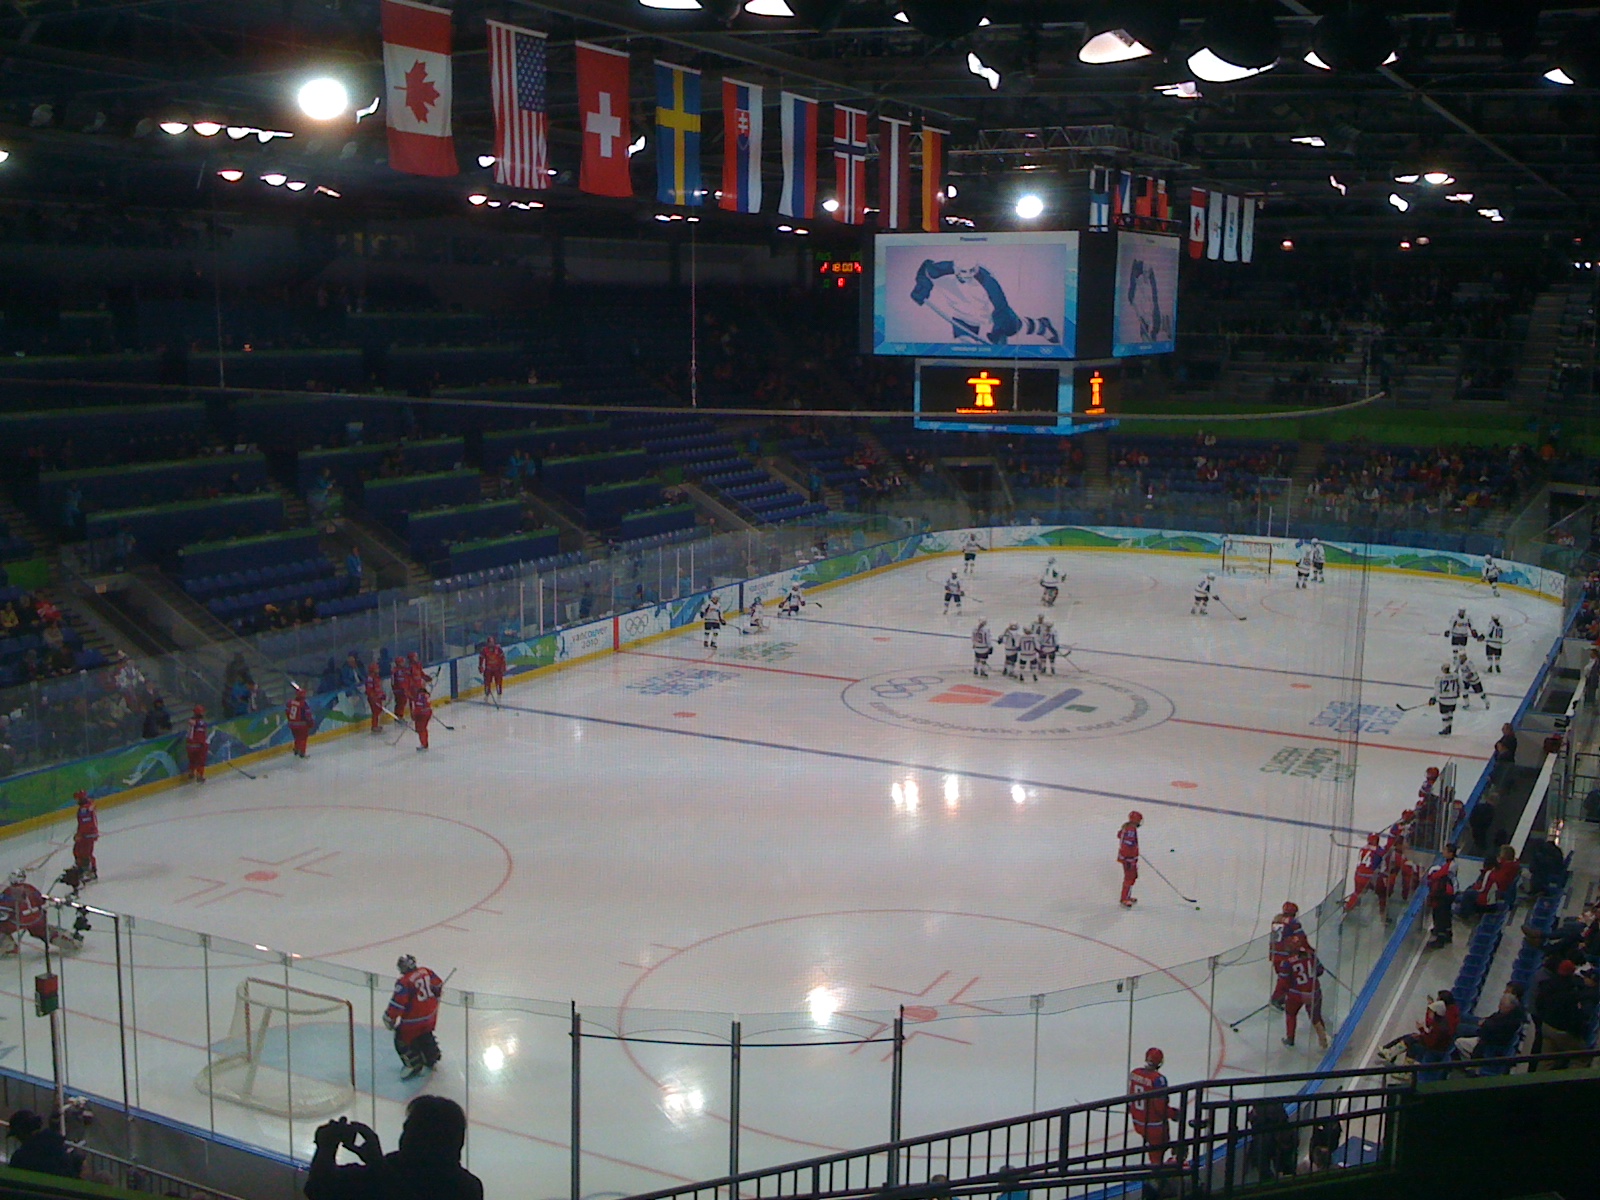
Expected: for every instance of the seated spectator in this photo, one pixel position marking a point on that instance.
(427, 1164)
(1562, 1004)
(1496, 884)
(1436, 1033)
(9, 621)
(1547, 868)
(157, 721)
(352, 674)
(41, 1148)
(1496, 1035)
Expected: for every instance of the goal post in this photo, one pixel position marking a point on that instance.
(1246, 555)
(290, 1052)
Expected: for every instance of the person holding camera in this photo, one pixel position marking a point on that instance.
(427, 1166)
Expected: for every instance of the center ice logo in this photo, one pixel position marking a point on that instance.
(948, 701)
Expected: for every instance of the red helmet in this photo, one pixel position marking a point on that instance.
(1290, 907)
(491, 639)
(1299, 941)
(1136, 816)
(1372, 839)
(413, 656)
(199, 710)
(1153, 1057)
(1432, 772)
(1408, 814)
(299, 690)
(81, 796)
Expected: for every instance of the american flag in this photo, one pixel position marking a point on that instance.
(521, 125)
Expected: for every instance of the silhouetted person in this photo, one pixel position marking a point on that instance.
(426, 1167)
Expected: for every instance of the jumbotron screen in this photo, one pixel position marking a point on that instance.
(1145, 304)
(995, 295)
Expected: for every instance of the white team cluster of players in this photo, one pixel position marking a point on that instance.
(1029, 650)
(712, 619)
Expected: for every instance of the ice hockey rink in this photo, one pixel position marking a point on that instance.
(802, 831)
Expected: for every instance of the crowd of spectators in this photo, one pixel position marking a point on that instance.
(1153, 467)
(34, 641)
(1372, 481)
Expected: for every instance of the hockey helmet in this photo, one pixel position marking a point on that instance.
(1447, 667)
(1492, 617)
(952, 576)
(1013, 625)
(1316, 541)
(81, 796)
(406, 963)
(1290, 907)
(1372, 839)
(1461, 612)
(1408, 814)
(982, 621)
(1050, 563)
(415, 657)
(1432, 772)
(19, 876)
(1211, 574)
(491, 640)
(1154, 1057)
(1136, 817)
(199, 710)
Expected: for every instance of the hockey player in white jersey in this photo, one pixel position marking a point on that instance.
(969, 553)
(755, 621)
(1446, 695)
(982, 648)
(1011, 642)
(1491, 573)
(1460, 630)
(1471, 682)
(793, 601)
(962, 291)
(711, 621)
(1028, 654)
(953, 591)
(1319, 560)
(1048, 647)
(1494, 644)
(1302, 568)
(1049, 584)
(1202, 594)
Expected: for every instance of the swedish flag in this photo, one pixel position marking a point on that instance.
(678, 135)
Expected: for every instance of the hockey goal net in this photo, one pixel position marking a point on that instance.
(289, 1052)
(1253, 555)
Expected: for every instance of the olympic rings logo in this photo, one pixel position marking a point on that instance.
(900, 689)
(637, 623)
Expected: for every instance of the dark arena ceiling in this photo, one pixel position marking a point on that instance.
(86, 84)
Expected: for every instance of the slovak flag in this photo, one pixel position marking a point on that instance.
(416, 73)
(1197, 223)
(850, 163)
(799, 198)
(604, 120)
(741, 147)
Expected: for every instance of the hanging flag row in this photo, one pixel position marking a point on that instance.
(1128, 200)
(1222, 226)
(416, 53)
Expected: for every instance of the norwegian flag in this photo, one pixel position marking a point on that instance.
(741, 147)
(521, 121)
(894, 169)
(850, 163)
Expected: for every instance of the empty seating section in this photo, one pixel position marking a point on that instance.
(349, 466)
(706, 454)
(429, 533)
(491, 553)
(149, 483)
(13, 546)
(829, 462)
(289, 424)
(549, 442)
(236, 579)
(650, 522)
(212, 559)
(569, 475)
(388, 501)
(161, 529)
(605, 504)
(94, 437)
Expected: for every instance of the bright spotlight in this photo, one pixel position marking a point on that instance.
(476, 198)
(231, 174)
(486, 160)
(296, 185)
(1460, 197)
(1029, 206)
(207, 128)
(678, 5)
(323, 99)
(830, 205)
(984, 72)
(1400, 202)
(1557, 75)
(275, 179)
(173, 127)
(1208, 66)
(636, 145)
(1439, 178)
(239, 131)
(769, 8)
(4, 154)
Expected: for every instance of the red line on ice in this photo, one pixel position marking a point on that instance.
(1313, 737)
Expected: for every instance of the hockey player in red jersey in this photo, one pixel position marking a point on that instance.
(400, 685)
(84, 837)
(374, 690)
(1149, 1116)
(22, 911)
(412, 1013)
(1128, 856)
(1285, 928)
(492, 666)
(1370, 873)
(1402, 872)
(197, 744)
(416, 677)
(421, 713)
(1302, 989)
(298, 713)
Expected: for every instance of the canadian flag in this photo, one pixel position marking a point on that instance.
(416, 72)
(1197, 223)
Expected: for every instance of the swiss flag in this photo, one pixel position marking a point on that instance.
(416, 72)
(603, 116)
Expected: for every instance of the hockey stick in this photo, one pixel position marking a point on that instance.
(1411, 707)
(228, 762)
(1228, 610)
(1170, 884)
(1234, 1025)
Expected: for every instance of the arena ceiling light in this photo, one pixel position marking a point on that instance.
(1342, 189)
(173, 128)
(231, 174)
(1029, 206)
(1407, 178)
(323, 98)
(236, 132)
(1491, 214)
(486, 160)
(1577, 58)
(1132, 29)
(1310, 140)
(1357, 36)
(4, 154)
(830, 205)
(1439, 178)
(1399, 202)
(1460, 198)
(207, 128)
(1239, 39)
(769, 8)
(983, 71)
(274, 179)
(476, 199)
(675, 5)
(296, 185)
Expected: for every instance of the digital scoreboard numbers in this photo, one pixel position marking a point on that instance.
(988, 395)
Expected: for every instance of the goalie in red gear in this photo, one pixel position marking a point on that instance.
(22, 911)
(412, 1013)
(1150, 1116)
(84, 837)
(1128, 856)
(374, 690)
(197, 744)
(298, 713)
(492, 666)
(421, 714)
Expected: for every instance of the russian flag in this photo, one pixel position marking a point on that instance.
(799, 197)
(741, 146)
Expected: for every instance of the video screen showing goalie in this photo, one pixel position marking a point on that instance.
(1146, 298)
(1011, 295)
